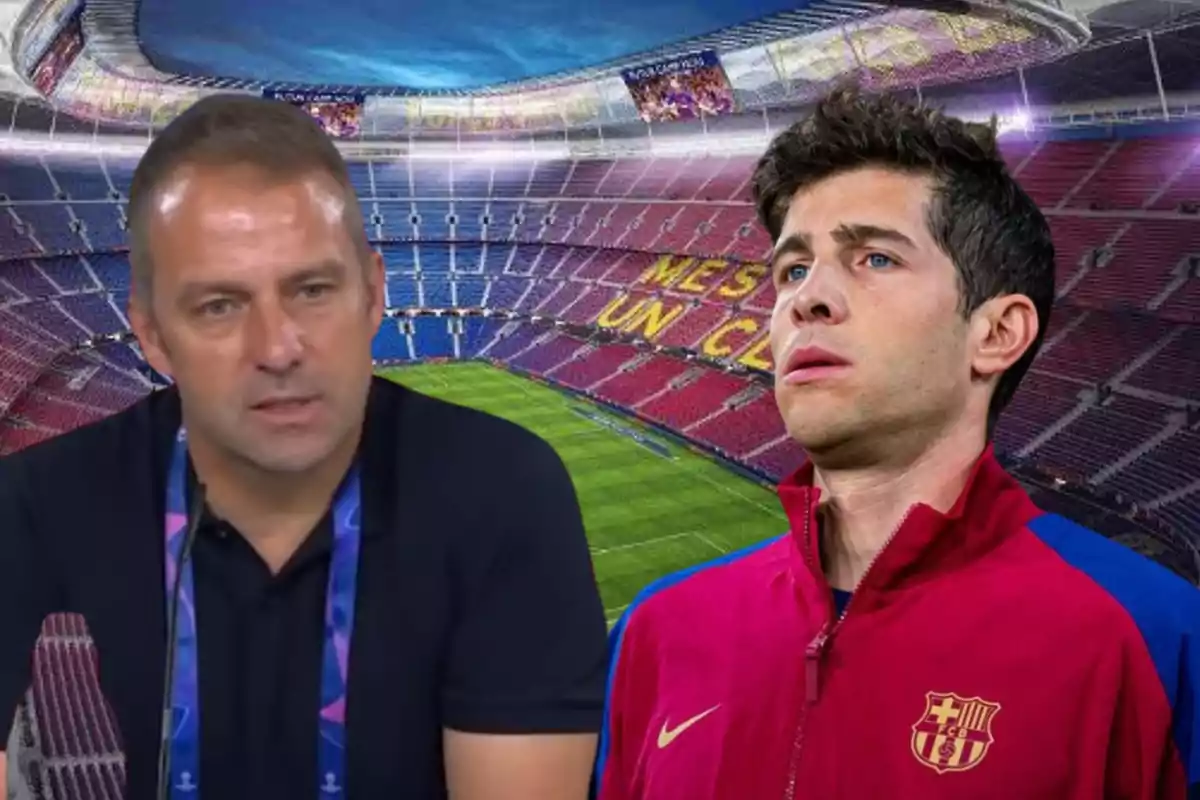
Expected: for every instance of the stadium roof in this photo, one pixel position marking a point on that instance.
(96, 67)
(10, 83)
(1110, 18)
(113, 30)
(1115, 71)
(964, 55)
(421, 44)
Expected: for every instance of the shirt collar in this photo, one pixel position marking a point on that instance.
(991, 505)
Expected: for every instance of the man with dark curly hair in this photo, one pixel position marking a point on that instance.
(923, 630)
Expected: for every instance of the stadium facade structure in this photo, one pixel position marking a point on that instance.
(783, 59)
(621, 261)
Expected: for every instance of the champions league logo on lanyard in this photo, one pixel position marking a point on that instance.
(184, 733)
(185, 784)
(331, 788)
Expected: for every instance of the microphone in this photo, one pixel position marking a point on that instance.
(195, 513)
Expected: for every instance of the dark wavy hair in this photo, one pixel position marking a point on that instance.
(991, 230)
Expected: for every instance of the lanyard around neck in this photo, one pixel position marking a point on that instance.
(340, 596)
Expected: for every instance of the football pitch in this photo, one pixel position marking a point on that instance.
(650, 506)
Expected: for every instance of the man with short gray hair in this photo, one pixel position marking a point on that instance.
(358, 590)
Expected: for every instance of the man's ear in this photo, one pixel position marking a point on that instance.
(1002, 330)
(376, 277)
(145, 328)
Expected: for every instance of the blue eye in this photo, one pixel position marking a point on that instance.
(796, 272)
(879, 261)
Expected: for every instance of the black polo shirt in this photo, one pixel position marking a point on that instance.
(477, 606)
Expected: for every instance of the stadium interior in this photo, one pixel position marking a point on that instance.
(576, 248)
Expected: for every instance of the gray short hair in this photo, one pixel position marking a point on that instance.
(228, 130)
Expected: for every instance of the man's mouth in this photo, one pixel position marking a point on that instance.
(807, 364)
(289, 408)
(282, 402)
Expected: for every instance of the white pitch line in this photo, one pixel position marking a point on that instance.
(710, 543)
(776, 512)
(606, 550)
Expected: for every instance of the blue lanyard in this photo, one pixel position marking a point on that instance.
(339, 624)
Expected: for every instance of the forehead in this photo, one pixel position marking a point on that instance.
(199, 194)
(868, 196)
(222, 217)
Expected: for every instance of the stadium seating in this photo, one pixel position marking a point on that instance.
(572, 240)
(626, 386)
(592, 366)
(664, 251)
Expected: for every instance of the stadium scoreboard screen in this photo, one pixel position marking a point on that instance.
(341, 115)
(687, 87)
(56, 46)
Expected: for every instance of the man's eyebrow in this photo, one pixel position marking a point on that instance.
(796, 243)
(327, 270)
(194, 290)
(855, 234)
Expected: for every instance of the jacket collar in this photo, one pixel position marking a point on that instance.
(992, 505)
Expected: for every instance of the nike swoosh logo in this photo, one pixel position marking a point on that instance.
(666, 736)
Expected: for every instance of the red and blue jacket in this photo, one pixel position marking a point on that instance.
(994, 651)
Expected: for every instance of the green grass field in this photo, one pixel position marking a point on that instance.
(649, 510)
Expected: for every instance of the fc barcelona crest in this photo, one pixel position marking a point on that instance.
(954, 733)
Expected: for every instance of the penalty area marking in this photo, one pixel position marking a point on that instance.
(611, 615)
(710, 543)
(696, 473)
(617, 548)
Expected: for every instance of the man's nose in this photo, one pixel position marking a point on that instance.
(276, 339)
(821, 297)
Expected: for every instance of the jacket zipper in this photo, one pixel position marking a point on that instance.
(816, 650)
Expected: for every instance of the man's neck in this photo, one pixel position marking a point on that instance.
(863, 507)
(274, 512)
